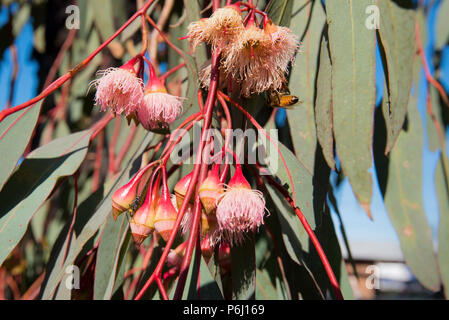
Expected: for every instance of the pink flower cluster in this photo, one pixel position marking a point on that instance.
(121, 91)
(256, 59)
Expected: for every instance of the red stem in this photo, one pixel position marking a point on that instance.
(196, 171)
(312, 236)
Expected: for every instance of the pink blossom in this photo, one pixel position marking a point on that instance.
(158, 110)
(118, 89)
(220, 29)
(240, 209)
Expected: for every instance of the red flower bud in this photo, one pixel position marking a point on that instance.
(126, 196)
(166, 214)
(181, 189)
(142, 222)
(210, 190)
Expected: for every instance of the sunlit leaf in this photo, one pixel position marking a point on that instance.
(352, 47)
(33, 182)
(403, 200)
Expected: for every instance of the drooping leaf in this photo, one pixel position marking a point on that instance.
(433, 120)
(33, 182)
(323, 105)
(105, 24)
(208, 287)
(280, 11)
(442, 31)
(111, 248)
(97, 219)
(307, 23)
(403, 200)
(15, 133)
(243, 270)
(265, 290)
(442, 188)
(397, 33)
(352, 48)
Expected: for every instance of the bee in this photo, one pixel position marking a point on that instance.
(282, 98)
(134, 206)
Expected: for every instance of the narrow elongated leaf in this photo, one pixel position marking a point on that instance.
(323, 105)
(352, 47)
(265, 290)
(307, 23)
(433, 120)
(442, 187)
(15, 133)
(294, 235)
(208, 288)
(94, 223)
(108, 257)
(397, 32)
(33, 182)
(104, 22)
(442, 31)
(297, 177)
(243, 270)
(280, 11)
(403, 200)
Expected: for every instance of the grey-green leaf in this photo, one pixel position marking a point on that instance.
(110, 250)
(442, 188)
(442, 31)
(33, 182)
(15, 133)
(307, 23)
(280, 11)
(352, 48)
(323, 105)
(397, 33)
(403, 200)
(97, 219)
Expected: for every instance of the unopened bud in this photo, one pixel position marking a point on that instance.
(165, 219)
(181, 189)
(210, 190)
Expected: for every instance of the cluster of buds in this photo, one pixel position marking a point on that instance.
(228, 214)
(154, 214)
(255, 58)
(122, 91)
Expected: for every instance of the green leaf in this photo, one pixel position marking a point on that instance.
(280, 11)
(109, 257)
(403, 200)
(209, 289)
(442, 188)
(328, 239)
(397, 33)
(352, 47)
(432, 133)
(56, 262)
(294, 235)
(265, 290)
(307, 22)
(243, 270)
(104, 21)
(442, 31)
(97, 219)
(15, 133)
(33, 182)
(193, 13)
(323, 105)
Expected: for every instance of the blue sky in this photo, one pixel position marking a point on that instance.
(358, 226)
